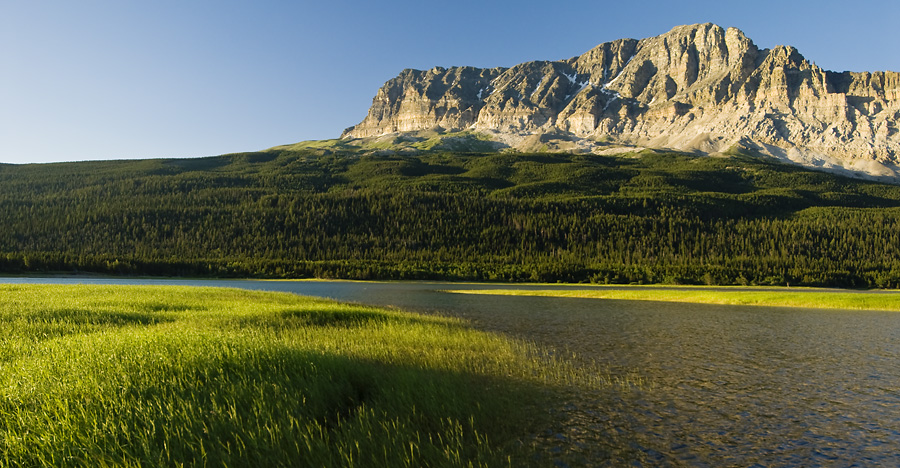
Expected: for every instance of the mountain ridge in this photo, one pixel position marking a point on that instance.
(697, 88)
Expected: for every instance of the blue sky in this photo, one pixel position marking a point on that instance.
(126, 79)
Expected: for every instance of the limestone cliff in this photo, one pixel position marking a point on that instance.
(698, 88)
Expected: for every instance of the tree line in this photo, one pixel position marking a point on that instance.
(648, 218)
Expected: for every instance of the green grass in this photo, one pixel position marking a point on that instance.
(786, 298)
(177, 376)
(424, 141)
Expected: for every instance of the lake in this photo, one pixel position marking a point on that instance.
(701, 385)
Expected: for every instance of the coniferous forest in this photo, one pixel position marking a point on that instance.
(646, 217)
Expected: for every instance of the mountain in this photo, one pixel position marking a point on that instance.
(700, 89)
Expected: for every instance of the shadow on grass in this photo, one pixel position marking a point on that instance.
(54, 323)
(348, 317)
(103, 317)
(277, 406)
(315, 316)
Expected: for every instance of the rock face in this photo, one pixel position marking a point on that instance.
(698, 88)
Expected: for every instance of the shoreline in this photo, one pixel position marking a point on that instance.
(880, 300)
(514, 285)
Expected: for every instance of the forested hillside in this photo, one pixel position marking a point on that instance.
(643, 218)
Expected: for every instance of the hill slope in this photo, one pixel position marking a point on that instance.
(646, 217)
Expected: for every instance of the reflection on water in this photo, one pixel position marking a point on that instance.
(724, 385)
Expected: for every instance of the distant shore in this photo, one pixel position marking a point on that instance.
(770, 297)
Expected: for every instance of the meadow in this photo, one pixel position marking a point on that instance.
(804, 297)
(181, 376)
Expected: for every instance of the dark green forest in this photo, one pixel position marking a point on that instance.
(646, 217)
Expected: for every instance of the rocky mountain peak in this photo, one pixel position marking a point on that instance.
(697, 88)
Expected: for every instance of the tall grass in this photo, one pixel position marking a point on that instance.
(176, 376)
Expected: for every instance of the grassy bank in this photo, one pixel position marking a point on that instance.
(785, 298)
(177, 376)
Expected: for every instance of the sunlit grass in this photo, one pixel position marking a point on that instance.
(178, 376)
(785, 298)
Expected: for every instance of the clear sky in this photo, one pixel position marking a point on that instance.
(124, 79)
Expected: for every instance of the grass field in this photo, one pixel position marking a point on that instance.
(177, 376)
(785, 298)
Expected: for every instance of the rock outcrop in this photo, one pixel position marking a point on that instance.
(698, 88)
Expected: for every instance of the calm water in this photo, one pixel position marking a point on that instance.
(717, 385)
